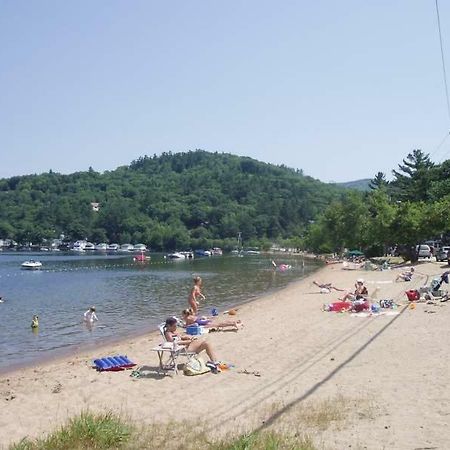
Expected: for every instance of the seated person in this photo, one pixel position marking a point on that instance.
(324, 287)
(189, 342)
(190, 318)
(405, 276)
(359, 293)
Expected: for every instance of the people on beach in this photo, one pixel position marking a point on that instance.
(196, 293)
(190, 342)
(35, 322)
(359, 293)
(90, 316)
(405, 276)
(190, 318)
(326, 288)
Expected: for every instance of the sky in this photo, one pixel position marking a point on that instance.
(341, 90)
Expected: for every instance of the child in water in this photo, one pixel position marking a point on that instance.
(35, 322)
(195, 293)
(90, 316)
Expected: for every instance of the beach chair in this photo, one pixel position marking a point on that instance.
(166, 349)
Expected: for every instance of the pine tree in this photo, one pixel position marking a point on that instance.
(413, 179)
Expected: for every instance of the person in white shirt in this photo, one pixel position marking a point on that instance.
(90, 316)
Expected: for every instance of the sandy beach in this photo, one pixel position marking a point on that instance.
(386, 375)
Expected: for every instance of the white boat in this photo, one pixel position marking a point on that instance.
(216, 251)
(251, 252)
(89, 246)
(140, 248)
(112, 247)
(31, 265)
(101, 247)
(78, 246)
(188, 255)
(176, 255)
(126, 248)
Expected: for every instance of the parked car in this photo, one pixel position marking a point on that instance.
(423, 250)
(442, 254)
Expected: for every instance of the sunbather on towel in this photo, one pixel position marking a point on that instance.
(405, 276)
(190, 318)
(326, 286)
(190, 342)
(359, 293)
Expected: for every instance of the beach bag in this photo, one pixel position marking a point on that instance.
(195, 366)
(412, 295)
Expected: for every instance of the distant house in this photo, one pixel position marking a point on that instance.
(95, 206)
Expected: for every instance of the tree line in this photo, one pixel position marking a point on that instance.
(194, 199)
(404, 212)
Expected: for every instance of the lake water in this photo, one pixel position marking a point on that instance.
(131, 298)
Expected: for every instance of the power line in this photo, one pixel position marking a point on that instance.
(434, 152)
(442, 58)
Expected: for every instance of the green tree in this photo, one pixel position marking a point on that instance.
(413, 178)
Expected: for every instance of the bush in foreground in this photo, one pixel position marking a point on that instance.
(109, 432)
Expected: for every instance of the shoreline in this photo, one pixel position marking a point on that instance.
(150, 331)
(304, 357)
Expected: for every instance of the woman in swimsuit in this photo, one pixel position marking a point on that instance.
(195, 293)
(190, 342)
(190, 318)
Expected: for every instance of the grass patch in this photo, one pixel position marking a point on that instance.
(86, 431)
(109, 432)
(265, 441)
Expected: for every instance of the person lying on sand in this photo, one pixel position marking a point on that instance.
(190, 318)
(190, 342)
(326, 287)
(405, 276)
(360, 292)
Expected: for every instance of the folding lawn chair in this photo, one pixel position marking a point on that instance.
(172, 354)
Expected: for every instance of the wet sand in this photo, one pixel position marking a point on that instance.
(388, 372)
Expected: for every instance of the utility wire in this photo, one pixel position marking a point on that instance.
(434, 152)
(442, 58)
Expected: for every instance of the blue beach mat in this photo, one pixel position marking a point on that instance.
(113, 363)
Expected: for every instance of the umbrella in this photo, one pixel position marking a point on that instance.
(355, 253)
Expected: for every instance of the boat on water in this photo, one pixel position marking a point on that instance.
(201, 252)
(216, 251)
(101, 247)
(126, 248)
(78, 246)
(112, 247)
(141, 258)
(89, 246)
(140, 248)
(252, 252)
(31, 264)
(176, 255)
(180, 255)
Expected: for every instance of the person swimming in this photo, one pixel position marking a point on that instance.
(35, 322)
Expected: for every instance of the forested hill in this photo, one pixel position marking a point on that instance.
(192, 199)
(359, 185)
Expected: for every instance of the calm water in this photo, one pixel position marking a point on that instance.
(131, 298)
